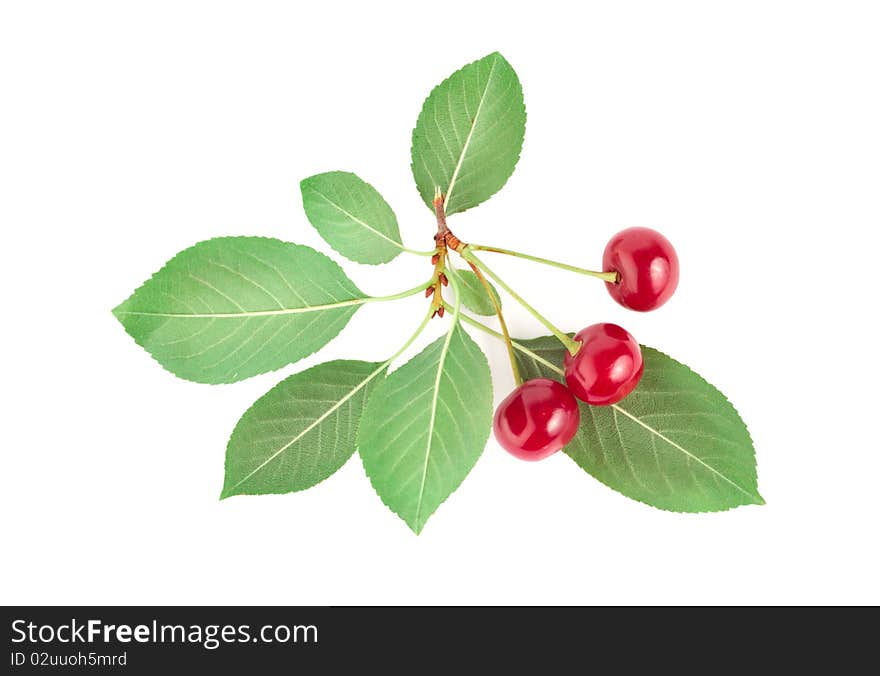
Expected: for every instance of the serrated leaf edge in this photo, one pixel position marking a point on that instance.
(224, 493)
(467, 141)
(460, 274)
(434, 396)
(754, 498)
(417, 529)
(116, 312)
(304, 184)
(496, 56)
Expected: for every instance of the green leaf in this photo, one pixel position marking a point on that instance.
(352, 217)
(473, 293)
(426, 426)
(675, 442)
(301, 431)
(469, 135)
(232, 307)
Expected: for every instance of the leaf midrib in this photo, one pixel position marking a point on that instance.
(752, 496)
(431, 423)
(686, 452)
(312, 426)
(467, 141)
(369, 227)
(237, 315)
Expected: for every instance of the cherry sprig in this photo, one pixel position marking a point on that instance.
(230, 308)
(603, 362)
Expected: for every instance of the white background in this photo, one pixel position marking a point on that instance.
(748, 132)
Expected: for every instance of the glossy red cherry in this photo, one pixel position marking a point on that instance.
(537, 419)
(647, 267)
(606, 368)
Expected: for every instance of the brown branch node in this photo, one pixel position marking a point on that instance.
(444, 240)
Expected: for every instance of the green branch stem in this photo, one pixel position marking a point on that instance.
(403, 294)
(411, 339)
(571, 345)
(605, 276)
(417, 253)
(456, 309)
(517, 378)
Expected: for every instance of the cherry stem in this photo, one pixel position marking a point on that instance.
(611, 277)
(517, 378)
(571, 345)
(522, 348)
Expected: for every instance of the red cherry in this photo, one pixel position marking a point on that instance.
(537, 419)
(647, 267)
(607, 367)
